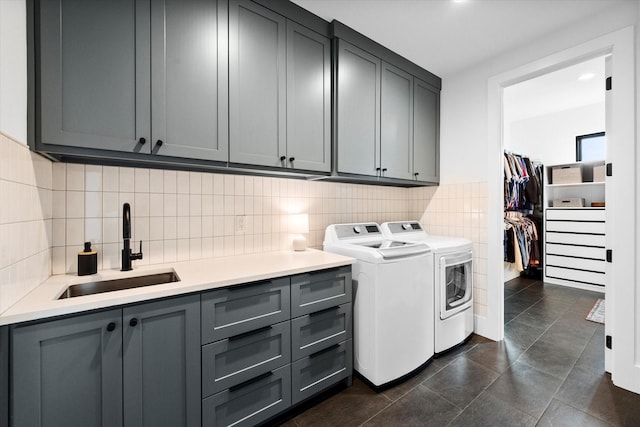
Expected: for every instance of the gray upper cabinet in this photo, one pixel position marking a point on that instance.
(426, 131)
(257, 85)
(279, 91)
(387, 113)
(161, 363)
(396, 123)
(308, 99)
(94, 73)
(188, 77)
(358, 110)
(68, 372)
(103, 63)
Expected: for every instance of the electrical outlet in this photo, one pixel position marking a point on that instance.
(241, 224)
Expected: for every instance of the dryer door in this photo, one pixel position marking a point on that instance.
(456, 283)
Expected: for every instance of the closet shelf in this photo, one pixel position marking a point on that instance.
(577, 184)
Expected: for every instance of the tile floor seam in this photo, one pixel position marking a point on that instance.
(377, 413)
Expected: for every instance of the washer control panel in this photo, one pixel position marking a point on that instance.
(345, 231)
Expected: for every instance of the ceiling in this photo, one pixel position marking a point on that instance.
(557, 91)
(447, 36)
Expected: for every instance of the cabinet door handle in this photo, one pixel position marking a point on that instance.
(416, 174)
(133, 322)
(292, 159)
(159, 143)
(142, 141)
(111, 327)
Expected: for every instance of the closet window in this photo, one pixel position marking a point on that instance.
(590, 147)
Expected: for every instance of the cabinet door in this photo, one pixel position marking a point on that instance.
(4, 375)
(308, 99)
(257, 85)
(426, 132)
(188, 94)
(68, 372)
(396, 123)
(94, 73)
(161, 363)
(358, 105)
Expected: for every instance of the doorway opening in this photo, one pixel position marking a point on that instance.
(554, 195)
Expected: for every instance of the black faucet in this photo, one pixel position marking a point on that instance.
(127, 255)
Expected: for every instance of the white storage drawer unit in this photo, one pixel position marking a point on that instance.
(575, 246)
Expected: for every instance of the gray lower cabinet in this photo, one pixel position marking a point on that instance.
(321, 334)
(161, 363)
(251, 375)
(239, 309)
(279, 91)
(142, 77)
(250, 402)
(4, 375)
(134, 366)
(68, 372)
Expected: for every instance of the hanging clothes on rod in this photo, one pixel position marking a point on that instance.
(522, 183)
(521, 241)
(523, 193)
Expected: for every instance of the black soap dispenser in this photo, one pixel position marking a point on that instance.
(87, 261)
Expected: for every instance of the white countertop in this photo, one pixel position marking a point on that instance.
(194, 276)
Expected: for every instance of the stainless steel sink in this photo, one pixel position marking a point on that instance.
(91, 288)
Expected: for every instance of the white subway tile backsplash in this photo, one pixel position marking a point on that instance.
(181, 215)
(141, 180)
(93, 178)
(75, 177)
(110, 178)
(127, 180)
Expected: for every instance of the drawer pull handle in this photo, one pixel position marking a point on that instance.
(255, 331)
(251, 381)
(317, 313)
(324, 350)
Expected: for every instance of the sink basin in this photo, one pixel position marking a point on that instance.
(91, 288)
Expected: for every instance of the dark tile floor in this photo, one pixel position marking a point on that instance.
(548, 371)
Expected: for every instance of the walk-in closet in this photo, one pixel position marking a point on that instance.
(554, 177)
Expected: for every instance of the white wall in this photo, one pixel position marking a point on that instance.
(467, 153)
(551, 138)
(13, 69)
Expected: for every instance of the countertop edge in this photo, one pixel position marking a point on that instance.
(42, 302)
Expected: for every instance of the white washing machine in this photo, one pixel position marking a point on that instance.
(452, 270)
(393, 302)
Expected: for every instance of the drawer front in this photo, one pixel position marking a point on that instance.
(576, 227)
(576, 275)
(250, 402)
(576, 263)
(576, 214)
(239, 309)
(239, 358)
(319, 330)
(576, 251)
(321, 370)
(319, 290)
(576, 239)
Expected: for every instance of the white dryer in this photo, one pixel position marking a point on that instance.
(393, 302)
(452, 270)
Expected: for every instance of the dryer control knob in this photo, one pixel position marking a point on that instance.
(357, 230)
(406, 226)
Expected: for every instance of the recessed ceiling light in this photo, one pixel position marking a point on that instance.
(586, 76)
(459, 1)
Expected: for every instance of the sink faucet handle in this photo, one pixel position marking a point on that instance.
(140, 249)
